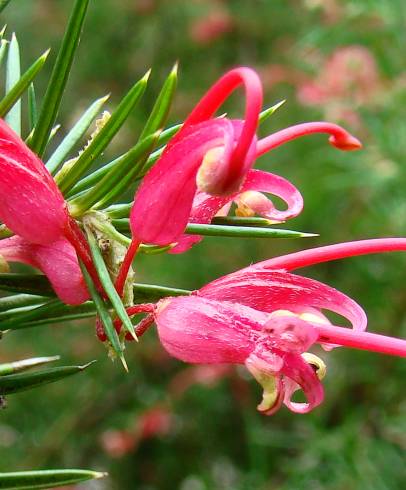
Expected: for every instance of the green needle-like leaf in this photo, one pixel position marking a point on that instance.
(32, 107)
(15, 321)
(107, 283)
(103, 138)
(13, 74)
(30, 480)
(59, 78)
(241, 221)
(243, 231)
(3, 5)
(226, 231)
(18, 89)
(162, 105)
(267, 113)
(119, 210)
(95, 176)
(104, 315)
(26, 283)
(144, 293)
(3, 50)
(75, 135)
(20, 300)
(13, 383)
(25, 364)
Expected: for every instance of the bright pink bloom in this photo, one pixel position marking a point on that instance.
(214, 156)
(32, 206)
(267, 318)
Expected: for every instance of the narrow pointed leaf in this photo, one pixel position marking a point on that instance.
(103, 313)
(20, 300)
(25, 364)
(123, 225)
(115, 183)
(60, 319)
(18, 89)
(241, 221)
(95, 176)
(144, 293)
(26, 283)
(13, 74)
(18, 319)
(244, 231)
(3, 50)
(14, 383)
(32, 107)
(119, 210)
(103, 138)
(75, 135)
(267, 113)
(42, 479)
(162, 105)
(107, 283)
(3, 5)
(59, 77)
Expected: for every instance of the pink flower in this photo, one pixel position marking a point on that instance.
(267, 318)
(214, 156)
(32, 206)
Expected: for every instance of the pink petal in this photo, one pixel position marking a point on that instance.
(268, 291)
(30, 202)
(290, 333)
(205, 206)
(300, 374)
(198, 330)
(163, 202)
(57, 261)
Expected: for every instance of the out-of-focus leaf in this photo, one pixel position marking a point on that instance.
(25, 364)
(75, 135)
(105, 135)
(42, 479)
(10, 99)
(13, 74)
(20, 300)
(59, 78)
(14, 383)
(3, 4)
(26, 283)
(17, 319)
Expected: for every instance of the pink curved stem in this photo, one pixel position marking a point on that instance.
(360, 340)
(318, 255)
(339, 137)
(215, 97)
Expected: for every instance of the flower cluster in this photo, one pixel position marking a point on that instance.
(263, 316)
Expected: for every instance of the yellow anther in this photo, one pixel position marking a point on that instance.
(317, 363)
(313, 318)
(4, 267)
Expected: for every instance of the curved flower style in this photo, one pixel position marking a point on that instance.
(214, 155)
(267, 318)
(32, 206)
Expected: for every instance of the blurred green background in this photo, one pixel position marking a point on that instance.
(169, 426)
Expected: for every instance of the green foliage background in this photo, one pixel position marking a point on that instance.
(211, 437)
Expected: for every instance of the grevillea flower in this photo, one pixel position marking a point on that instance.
(32, 206)
(213, 156)
(267, 318)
